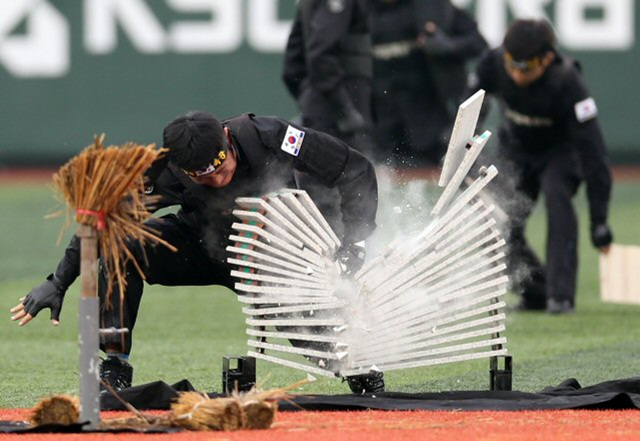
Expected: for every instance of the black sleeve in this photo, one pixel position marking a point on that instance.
(585, 134)
(467, 40)
(161, 186)
(326, 28)
(334, 164)
(295, 69)
(485, 76)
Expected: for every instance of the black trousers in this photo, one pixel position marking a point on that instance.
(521, 179)
(411, 125)
(192, 264)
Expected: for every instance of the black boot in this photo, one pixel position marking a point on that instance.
(117, 372)
(373, 382)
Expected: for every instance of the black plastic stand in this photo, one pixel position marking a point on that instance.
(501, 379)
(241, 378)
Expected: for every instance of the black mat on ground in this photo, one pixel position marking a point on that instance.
(617, 394)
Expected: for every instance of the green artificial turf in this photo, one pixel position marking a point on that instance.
(184, 332)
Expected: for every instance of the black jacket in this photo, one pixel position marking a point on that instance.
(442, 60)
(329, 44)
(264, 167)
(555, 112)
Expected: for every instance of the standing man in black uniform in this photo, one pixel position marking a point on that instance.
(328, 68)
(550, 141)
(209, 164)
(421, 49)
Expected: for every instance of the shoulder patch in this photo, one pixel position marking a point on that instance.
(292, 141)
(336, 6)
(586, 110)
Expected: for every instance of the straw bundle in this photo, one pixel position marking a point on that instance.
(104, 189)
(57, 409)
(195, 411)
(251, 410)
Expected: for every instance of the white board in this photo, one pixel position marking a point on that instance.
(619, 275)
(463, 132)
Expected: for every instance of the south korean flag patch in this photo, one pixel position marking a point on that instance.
(586, 110)
(292, 141)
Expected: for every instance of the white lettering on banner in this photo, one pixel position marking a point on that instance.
(613, 30)
(44, 51)
(265, 32)
(101, 19)
(222, 34)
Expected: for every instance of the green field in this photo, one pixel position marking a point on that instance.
(184, 332)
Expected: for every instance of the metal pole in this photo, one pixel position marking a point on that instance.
(89, 328)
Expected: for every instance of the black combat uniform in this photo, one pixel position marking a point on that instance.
(419, 77)
(328, 68)
(200, 229)
(550, 141)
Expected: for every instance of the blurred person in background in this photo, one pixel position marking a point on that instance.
(328, 68)
(209, 164)
(421, 50)
(549, 142)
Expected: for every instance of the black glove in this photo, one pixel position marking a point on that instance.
(349, 119)
(49, 294)
(437, 43)
(351, 256)
(601, 235)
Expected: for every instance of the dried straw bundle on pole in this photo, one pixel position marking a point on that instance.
(104, 189)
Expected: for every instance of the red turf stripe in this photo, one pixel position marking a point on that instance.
(403, 425)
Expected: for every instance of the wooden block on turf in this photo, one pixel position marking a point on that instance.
(620, 275)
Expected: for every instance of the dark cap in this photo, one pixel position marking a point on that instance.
(194, 140)
(527, 39)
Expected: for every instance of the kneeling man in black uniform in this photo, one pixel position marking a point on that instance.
(209, 164)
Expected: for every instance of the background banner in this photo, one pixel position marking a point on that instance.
(72, 69)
